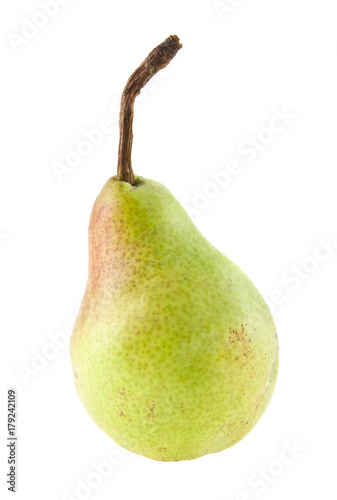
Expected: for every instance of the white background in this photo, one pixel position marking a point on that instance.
(236, 68)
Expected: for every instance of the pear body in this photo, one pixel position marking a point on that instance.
(174, 351)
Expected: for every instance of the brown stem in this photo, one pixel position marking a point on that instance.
(155, 61)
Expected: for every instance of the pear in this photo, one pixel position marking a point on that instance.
(174, 351)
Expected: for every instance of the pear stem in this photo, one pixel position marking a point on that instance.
(158, 58)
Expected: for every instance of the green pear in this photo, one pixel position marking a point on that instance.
(174, 351)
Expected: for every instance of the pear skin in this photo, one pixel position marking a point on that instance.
(174, 350)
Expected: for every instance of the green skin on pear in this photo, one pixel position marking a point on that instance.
(174, 351)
